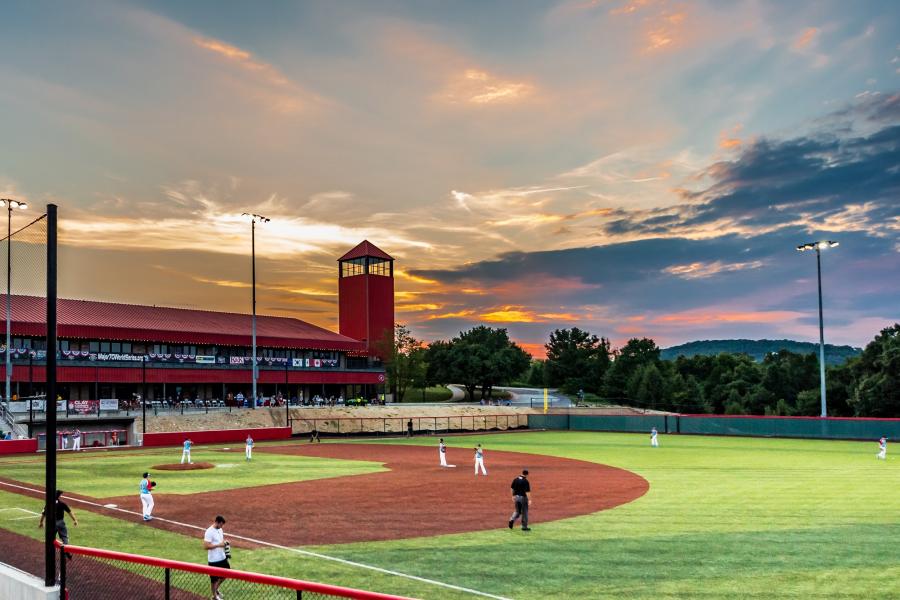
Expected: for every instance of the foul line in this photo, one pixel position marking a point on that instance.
(280, 547)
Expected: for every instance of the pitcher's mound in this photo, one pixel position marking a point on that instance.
(183, 467)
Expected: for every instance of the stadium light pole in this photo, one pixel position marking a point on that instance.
(253, 219)
(10, 205)
(818, 247)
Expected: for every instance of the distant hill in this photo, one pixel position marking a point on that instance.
(834, 355)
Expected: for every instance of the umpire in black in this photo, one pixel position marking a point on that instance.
(521, 492)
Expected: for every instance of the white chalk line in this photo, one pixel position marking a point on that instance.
(31, 513)
(280, 547)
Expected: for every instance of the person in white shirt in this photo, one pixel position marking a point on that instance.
(654, 438)
(76, 440)
(248, 450)
(217, 552)
(882, 448)
(442, 448)
(479, 460)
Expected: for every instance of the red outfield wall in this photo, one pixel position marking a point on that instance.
(216, 436)
(18, 446)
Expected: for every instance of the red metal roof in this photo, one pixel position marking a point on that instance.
(366, 248)
(88, 319)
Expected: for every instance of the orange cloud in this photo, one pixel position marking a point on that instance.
(271, 88)
(406, 275)
(510, 314)
(729, 140)
(417, 307)
(806, 38)
(452, 315)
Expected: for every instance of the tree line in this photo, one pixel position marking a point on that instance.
(579, 362)
(782, 383)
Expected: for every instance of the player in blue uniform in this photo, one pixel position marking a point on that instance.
(147, 497)
(186, 453)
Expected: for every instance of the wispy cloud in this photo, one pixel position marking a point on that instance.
(701, 270)
(476, 87)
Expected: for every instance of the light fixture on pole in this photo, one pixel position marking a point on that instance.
(253, 219)
(10, 205)
(818, 247)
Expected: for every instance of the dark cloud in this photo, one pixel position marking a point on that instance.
(810, 178)
(634, 276)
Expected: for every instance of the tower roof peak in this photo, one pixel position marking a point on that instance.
(366, 248)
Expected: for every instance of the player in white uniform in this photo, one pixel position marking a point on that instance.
(442, 450)
(654, 438)
(186, 453)
(147, 497)
(882, 448)
(479, 460)
(76, 440)
(248, 450)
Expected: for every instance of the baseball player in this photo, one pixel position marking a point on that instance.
(479, 460)
(442, 451)
(147, 496)
(76, 440)
(654, 438)
(186, 453)
(65, 440)
(248, 450)
(882, 448)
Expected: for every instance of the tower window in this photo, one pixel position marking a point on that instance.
(379, 267)
(354, 266)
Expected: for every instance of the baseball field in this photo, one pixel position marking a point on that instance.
(698, 517)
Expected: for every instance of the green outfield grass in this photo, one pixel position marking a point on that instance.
(724, 518)
(109, 474)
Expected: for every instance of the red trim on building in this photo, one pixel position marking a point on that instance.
(105, 374)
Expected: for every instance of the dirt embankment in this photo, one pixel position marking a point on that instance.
(303, 419)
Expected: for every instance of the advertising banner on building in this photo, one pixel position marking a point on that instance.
(205, 360)
(83, 407)
(109, 404)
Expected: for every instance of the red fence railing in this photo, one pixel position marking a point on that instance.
(110, 575)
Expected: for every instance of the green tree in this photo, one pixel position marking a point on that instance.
(404, 360)
(576, 360)
(481, 357)
(635, 353)
(876, 391)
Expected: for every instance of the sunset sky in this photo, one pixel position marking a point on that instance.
(633, 167)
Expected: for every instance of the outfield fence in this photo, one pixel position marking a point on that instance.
(399, 425)
(846, 428)
(97, 574)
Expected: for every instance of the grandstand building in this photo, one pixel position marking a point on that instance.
(119, 351)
